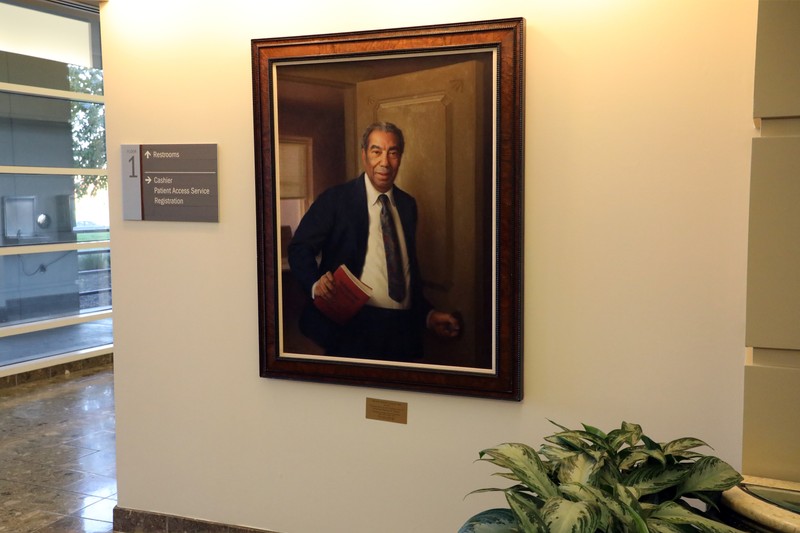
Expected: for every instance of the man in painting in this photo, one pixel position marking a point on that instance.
(369, 225)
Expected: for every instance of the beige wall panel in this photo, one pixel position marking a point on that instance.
(777, 82)
(773, 284)
(771, 431)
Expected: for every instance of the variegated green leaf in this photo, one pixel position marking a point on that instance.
(707, 499)
(650, 443)
(681, 445)
(563, 428)
(633, 429)
(629, 434)
(580, 468)
(659, 526)
(650, 479)
(594, 431)
(582, 440)
(674, 513)
(609, 508)
(633, 456)
(709, 473)
(564, 516)
(577, 440)
(636, 522)
(686, 456)
(627, 495)
(577, 492)
(526, 510)
(567, 441)
(657, 454)
(494, 489)
(525, 464)
(608, 475)
(507, 475)
(555, 453)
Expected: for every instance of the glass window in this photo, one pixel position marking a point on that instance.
(52, 208)
(19, 69)
(38, 131)
(39, 286)
(47, 285)
(56, 341)
(55, 260)
(60, 30)
(94, 279)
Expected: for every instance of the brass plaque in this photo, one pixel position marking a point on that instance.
(387, 411)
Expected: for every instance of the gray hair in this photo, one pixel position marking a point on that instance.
(387, 127)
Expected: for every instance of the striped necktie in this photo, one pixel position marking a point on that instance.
(394, 258)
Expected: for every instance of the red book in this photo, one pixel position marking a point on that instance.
(351, 295)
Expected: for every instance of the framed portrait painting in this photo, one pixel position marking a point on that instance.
(433, 117)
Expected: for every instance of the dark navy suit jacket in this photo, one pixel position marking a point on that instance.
(336, 228)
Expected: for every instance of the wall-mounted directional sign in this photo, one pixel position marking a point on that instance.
(172, 182)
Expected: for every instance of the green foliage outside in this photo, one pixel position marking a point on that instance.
(94, 261)
(88, 130)
(91, 236)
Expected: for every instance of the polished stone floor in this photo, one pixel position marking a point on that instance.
(57, 454)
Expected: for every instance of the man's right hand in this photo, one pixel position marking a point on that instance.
(325, 287)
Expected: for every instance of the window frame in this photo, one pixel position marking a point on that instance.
(86, 13)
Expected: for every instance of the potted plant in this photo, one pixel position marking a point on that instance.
(587, 481)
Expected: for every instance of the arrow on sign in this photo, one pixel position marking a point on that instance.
(147, 154)
(147, 179)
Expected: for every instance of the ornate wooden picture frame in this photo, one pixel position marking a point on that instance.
(456, 91)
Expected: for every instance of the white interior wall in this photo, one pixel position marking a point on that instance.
(637, 161)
